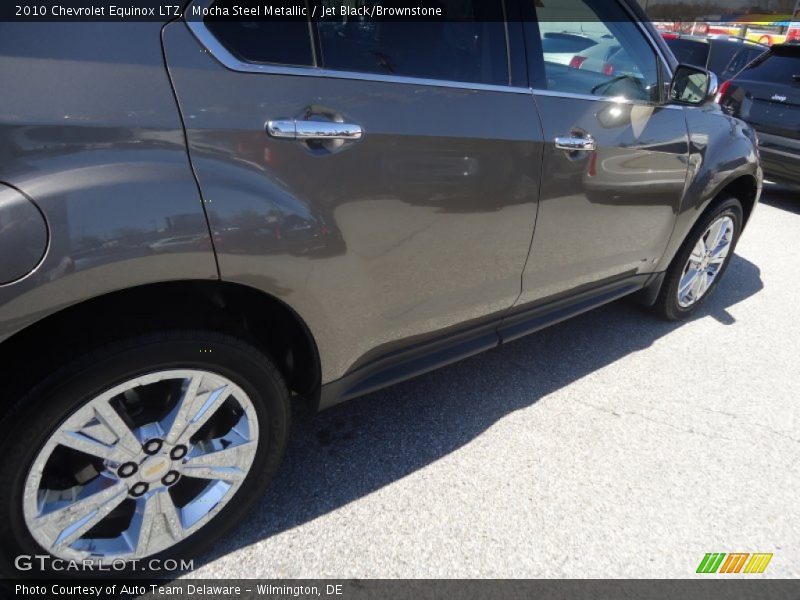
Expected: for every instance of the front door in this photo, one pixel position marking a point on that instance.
(615, 155)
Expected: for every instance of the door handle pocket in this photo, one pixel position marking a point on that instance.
(292, 129)
(574, 143)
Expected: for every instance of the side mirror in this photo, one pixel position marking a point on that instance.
(692, 85)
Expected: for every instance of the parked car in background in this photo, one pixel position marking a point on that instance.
(725, 56)
(609, 59)
(766, 94)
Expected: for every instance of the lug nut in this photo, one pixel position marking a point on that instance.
(139, 489)
(170, 478)
(127, 469)
(178, 452)
(152, 446)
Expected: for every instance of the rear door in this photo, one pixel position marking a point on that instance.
(615, 158)
(417, 217)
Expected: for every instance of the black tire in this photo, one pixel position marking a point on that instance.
(31, 421)
(667, 305)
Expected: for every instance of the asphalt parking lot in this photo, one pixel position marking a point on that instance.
(612, 445)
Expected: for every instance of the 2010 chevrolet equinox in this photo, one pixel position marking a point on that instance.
(203, 219)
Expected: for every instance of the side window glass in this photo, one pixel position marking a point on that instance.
(592, 47)
(774, 68)
(737, 63)
(468, 43)
(723, 56)
(280, 41)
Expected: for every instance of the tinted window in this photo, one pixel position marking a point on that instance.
(566, 42)
(456, 47)
(282, 41)
(775, 69)
(619, 61)
(689, 52)
(740, 60)
(721, 55)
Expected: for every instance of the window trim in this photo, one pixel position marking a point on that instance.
(536, 71)
(218, 51)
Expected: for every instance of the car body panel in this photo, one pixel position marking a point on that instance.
(608, 212)
(23, 235)
(420, 230)
(428, 217)
(722, 149)
(95, 140)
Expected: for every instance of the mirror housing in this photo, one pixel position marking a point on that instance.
(693, 86)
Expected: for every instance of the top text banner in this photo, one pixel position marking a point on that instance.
(351, 11)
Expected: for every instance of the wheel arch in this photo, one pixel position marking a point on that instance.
(235, 309)
(744, 188)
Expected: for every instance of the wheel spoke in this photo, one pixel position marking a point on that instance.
(171, 516)
(99, 431)
(159, 516)
(194, 408)
(699, 286)
(229, 464)
(701, 247)
(77, 440)
(111, 419)
(108, 511)
(697, 253)
(69, 523)
(149, 507)
(715, 233)
(687, 281)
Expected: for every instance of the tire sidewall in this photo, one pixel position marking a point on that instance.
(30, 424)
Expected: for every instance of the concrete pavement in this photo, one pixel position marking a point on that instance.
(611, 445)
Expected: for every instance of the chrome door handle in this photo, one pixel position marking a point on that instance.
(576, 144)
(313, 130)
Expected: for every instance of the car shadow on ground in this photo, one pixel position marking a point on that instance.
(358, 447)
(785, 198)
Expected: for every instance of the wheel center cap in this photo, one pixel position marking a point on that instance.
(154, 468)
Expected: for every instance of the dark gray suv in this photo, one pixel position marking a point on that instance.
(204, 219)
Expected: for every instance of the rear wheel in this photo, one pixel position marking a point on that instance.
(151, 447)
(701, 261)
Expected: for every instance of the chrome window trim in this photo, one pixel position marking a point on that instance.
(614, 99)
(653, 44)
(229, 61)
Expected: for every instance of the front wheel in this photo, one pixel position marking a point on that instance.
(149, 447)
(701, 261)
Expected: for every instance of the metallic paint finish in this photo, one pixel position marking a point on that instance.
(722, 149)
(23, 235)
(90, 131)
(424, 223)
(606, 212)
(421, 226)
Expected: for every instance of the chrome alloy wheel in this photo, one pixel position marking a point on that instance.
(705, 261)
(141, 467)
